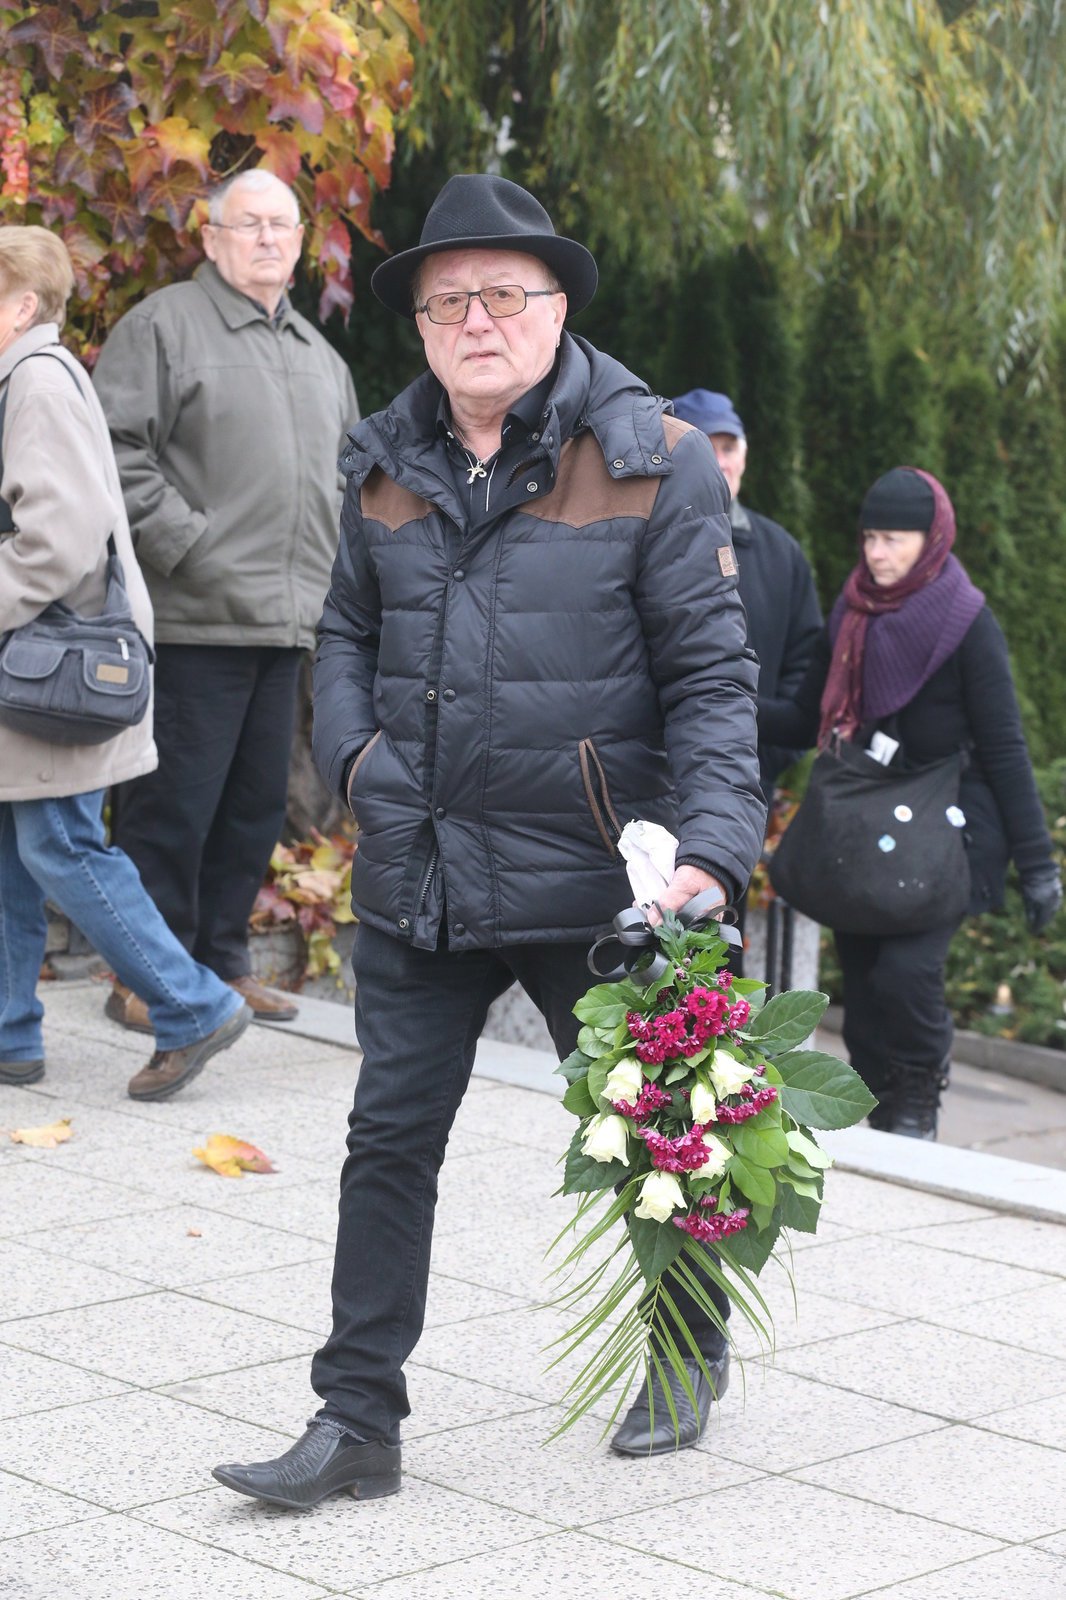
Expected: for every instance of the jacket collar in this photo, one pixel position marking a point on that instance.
(238, 310)
(740, 522)
(591, 390)
(35, 338)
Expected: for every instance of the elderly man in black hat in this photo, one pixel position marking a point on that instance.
(533, 634)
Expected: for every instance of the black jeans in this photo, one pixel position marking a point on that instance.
(895, 1013)
(418, 1017)
(201, 828)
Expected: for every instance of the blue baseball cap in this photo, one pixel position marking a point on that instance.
(710, 412)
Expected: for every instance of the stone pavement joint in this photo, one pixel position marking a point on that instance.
(908, 1441)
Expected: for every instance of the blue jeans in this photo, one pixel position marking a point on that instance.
(55, 850)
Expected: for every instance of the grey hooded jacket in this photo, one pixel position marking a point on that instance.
(514, 696)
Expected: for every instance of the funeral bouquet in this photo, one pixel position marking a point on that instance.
(696, 1104)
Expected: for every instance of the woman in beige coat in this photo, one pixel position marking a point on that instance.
(60, 499)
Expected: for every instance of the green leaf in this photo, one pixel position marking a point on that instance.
(746, 986)
(802, 1186)
(678, 1071)
(590, 1042)
(762, 1216)
(578, 1100)
(583, 1175)
(811, 1152)
(822, 1092)
(799, 1211)
(787, 1020)
(655, 1244)
(574, 1067)
(599, 1072)
(756, 1182)
(762, 1147)
(750, 1249)
(603, 1006)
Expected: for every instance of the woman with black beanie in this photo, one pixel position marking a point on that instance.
(913, 654)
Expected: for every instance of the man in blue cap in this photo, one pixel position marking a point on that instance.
(775, 578)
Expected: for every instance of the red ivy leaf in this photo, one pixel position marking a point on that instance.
(288, 99)
(123, 215)
(56, 36)
(237, 76)
(105, 115)
(86, 168)
(258, 9)
(281, 153)
(338, 295)
(173, 193)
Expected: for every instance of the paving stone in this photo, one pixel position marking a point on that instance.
(1018, 1574)
(796, 1540)
(561, 1564)
(1005, 1488)
(1019, 1241)
(37, 1195)
(772, 1420)
(515, 1116)
(35, 1384)
(156, 1338)
(1056, 1544)
(571, 1481)
(35, 1283)
(908, 1279)
(938, 1370)
(177, 1246)
(131, 1449)
(1035, 1319)
(805, 1319)
(871, 1206)
(508, 1352)
(143, 1561)
(306, 1209)
(27, 1507)
(1041, 1421)
(345, 1544)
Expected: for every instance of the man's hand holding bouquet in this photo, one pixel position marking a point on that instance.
(695, 1103)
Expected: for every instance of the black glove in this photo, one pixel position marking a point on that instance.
(1042, 895)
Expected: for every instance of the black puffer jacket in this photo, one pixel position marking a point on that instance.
(519, 693)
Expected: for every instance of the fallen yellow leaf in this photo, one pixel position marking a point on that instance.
(193, 1233)
(43, 1138)
(232, 1158)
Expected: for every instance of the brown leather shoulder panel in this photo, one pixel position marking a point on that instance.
(585, 491)
(675, 429)
(386, 502)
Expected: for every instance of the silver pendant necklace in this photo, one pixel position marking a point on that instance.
(476, 467)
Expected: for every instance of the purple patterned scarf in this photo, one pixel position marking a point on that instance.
(888, 641)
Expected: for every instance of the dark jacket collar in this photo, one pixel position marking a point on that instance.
(591, 390)
(238, 310)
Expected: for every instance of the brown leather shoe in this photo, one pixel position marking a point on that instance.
(170, 1070)
(127, 1009)
(267, 1004)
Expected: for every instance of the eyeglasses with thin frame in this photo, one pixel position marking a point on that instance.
(250, 229)
(501, 300)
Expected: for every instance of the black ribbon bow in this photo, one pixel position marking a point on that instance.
(634, 936)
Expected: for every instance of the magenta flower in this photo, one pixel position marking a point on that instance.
(688, 1153)
(709, 1229)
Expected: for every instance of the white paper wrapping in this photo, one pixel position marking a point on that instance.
(648, 851)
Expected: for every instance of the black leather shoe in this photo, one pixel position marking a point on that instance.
(21, 1072)
(639, 1435)
(324, 1460)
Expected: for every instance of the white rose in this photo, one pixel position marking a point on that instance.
(703, 1104)
(660, 1194)
(624, 1082)
(607, 1138)
(727, 1073)
(720, 1157)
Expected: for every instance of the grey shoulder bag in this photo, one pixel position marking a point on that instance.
(69, 679)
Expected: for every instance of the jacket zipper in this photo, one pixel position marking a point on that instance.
(428, 879)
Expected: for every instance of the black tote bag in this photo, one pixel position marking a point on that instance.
(875, 849)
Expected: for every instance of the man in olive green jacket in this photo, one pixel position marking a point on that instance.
(227, 410)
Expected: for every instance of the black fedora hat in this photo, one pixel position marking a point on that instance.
(479, 211)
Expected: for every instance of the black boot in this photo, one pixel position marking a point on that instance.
(915, 1099)
(645, 1434)
(323, 1460)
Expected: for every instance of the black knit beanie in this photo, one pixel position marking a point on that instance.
(900, 500)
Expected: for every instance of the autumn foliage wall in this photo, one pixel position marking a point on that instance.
(116, 119)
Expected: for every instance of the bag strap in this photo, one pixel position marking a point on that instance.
(6, 521)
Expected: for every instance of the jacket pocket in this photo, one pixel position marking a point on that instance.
(358, 762)
(598, 796)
